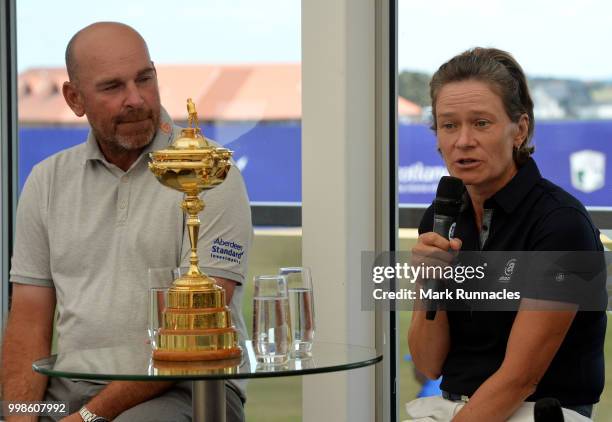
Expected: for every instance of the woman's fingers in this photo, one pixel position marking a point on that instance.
(432, 249)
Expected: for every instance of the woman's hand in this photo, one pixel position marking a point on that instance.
(432, 249)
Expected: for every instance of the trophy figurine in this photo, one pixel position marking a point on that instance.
(196, 324)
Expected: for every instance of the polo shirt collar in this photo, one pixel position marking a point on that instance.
(162, 139)
(510, 196)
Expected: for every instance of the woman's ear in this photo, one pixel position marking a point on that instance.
(523, 130)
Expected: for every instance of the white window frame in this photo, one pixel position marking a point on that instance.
(348, 190)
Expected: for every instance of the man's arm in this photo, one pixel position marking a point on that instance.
(27, 338)
(119, 396)
(534, 340)
(229, 286)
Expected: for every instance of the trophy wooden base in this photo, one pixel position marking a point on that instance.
(227, 366)
(190, 356)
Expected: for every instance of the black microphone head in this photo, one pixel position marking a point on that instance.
(548, 410)
(449, 196)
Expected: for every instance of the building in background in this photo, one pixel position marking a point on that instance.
(255, 110)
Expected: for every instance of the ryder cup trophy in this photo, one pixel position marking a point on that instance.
(196, 324)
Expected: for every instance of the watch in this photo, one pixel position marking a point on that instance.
(89, 416)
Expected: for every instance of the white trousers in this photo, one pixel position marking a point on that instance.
(438, 409)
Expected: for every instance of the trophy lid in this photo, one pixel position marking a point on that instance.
(190, 138)
(191, 164)
(191, 145)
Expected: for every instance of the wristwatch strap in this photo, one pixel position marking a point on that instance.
(89, 416)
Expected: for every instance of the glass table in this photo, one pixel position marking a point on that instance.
(134, 363)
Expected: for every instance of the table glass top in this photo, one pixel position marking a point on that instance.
(134, 362)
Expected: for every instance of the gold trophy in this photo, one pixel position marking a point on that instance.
(196, 324)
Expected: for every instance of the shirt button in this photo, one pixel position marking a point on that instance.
(122, 204)
(124, 179)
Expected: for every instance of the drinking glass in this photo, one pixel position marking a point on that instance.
(301, 307)
(271, 324)
(160, 281)
(158, 300)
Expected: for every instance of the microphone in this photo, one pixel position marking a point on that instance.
(548, 410)
(447, 205)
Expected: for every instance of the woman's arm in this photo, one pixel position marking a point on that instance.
(534, 340)
(429, 341)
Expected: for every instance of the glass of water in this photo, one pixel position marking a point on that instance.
(301, 306)
(271, 323)
(158, 301)
(160, 281)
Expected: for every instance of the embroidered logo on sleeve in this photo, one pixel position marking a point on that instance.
(226, 250)
(165, 127)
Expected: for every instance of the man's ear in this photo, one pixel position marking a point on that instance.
(73, 97)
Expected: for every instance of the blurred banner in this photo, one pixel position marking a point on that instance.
(573, 154)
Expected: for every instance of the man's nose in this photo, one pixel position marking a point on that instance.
(133, 96)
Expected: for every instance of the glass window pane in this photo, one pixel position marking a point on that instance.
(240, 62)
(558, 44)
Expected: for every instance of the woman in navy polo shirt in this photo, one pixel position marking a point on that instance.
(483, 120)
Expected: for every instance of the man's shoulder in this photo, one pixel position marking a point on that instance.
(57, 168)
(64, 159)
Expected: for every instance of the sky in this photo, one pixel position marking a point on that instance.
(563, 38)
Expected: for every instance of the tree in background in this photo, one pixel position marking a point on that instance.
(414, 86)
(577, 99)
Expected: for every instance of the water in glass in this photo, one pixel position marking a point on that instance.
(302, 319)
(271, 320)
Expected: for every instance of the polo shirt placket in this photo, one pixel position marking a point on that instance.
(123, 199)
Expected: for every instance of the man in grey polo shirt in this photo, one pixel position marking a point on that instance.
(92, 220)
